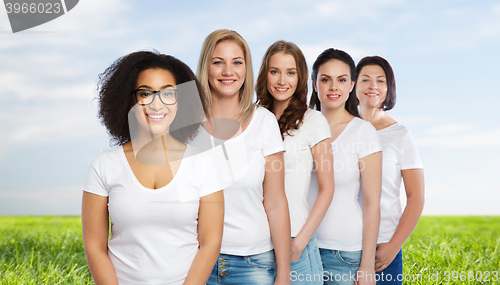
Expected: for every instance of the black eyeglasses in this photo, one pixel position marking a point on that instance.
(145, 97)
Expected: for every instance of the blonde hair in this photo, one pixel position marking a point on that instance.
(246, 90)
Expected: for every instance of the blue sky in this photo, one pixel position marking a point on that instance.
(444, 54)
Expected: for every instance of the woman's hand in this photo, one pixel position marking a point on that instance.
(365, 276)
(296, 248)
(386, 252)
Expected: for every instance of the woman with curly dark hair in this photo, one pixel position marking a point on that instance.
(163, 202)
(282, 89)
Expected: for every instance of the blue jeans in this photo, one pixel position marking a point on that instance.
(393, 274)
(340, 267)
(308, 270)
(258, 269)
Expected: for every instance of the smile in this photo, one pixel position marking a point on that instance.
(281, 89)
(371, 94)
(333, 96)
(227, 81)
(156, 117)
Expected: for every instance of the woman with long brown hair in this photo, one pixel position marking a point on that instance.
(282, 89)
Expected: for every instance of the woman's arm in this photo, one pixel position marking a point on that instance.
(323, 161)
(370, 168)
(414, 186)
(276, 207)
(210, 226)
(95, 229)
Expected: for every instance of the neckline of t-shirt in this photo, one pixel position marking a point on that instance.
(345, 129)
(161, 189)
(390, 126)
(246, 129)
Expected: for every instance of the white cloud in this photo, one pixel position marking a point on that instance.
(468, 199)
(45, 200)
(47, 124)
(450, 129)
(467, 139)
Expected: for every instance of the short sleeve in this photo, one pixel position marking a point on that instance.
(409, 158)
(318, 129)
(272, 136)
(210, 180)
(368, 140)
(93, 182)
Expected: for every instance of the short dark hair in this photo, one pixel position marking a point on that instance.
(390, 99)
(351, 105)
(115, 95)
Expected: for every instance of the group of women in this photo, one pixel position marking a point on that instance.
(310, 193)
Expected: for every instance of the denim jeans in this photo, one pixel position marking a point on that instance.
(393, 274)
(258, 269)
(308, 270)
(340, 267)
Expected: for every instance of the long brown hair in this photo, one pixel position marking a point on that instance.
(293, 115)
(246, 90)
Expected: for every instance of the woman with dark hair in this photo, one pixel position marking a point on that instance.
(376, 91)
(282, 89)
(159, 199)
(347, 236)
(256, 243)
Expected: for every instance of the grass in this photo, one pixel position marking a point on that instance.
(49, 250)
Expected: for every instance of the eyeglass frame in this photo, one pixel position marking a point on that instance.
(154, 96)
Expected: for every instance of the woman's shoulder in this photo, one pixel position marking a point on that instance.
(108, 155)
(362, 125)
(263, 112)
(397, 129)
(263, 115)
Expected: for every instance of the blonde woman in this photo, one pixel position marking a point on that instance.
(256, 241)
(282, 89)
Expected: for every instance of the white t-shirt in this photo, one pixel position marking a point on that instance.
(399, 153)
(154, 232)
(299, 164)
(241, 163)
(342, 227)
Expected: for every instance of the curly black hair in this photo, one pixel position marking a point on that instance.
(115, 95)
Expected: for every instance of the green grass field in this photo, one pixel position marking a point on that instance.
(49, 250)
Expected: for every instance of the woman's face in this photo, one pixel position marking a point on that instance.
(155, 117)
(371, 86)
(227, 70)
(333, 84)
(282, 77)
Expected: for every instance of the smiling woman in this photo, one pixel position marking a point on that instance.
(256, 244)
(282, 89)
(164, 203)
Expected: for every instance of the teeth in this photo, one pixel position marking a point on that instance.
(371, 94)
(336, 96)
(281, 89)
(227, 81)
(157, 116)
